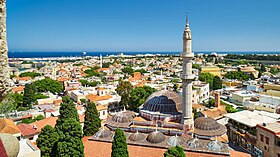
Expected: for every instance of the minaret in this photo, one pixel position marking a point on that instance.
(100, 61)
(4, 65)
(187, 76)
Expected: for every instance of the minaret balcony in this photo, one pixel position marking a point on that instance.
(186, 76)
(187, 55)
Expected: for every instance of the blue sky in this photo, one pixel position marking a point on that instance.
(142, 25)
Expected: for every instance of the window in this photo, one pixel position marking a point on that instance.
(261, 137)
(104, 112)
(267, 140)
(99, 114)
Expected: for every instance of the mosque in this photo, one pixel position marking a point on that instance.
(166, 119)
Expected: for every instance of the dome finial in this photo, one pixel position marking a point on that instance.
(187, 19)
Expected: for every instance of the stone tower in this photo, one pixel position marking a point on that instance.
(187, 76)
(4, 66)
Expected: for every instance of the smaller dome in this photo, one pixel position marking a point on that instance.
(208, 127)
(136, 136)
(175, 141)
(103, 133)
(123, 117)
(156, 137)
(216, 146)
(194, 143)
(10, 143)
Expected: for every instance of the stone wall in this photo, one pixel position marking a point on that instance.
(4, 66)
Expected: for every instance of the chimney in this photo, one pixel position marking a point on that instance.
(217, 100)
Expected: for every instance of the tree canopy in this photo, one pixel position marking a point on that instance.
(46, 141)
(87, 83)
(237, 75)
(176, 151)
(128, 70)
(138, 96)
(7, 104)
(208, 78)
(119, 145)
(124, 89)
(67, 110)
(92, 120)
(70, 143)
(30, 74)
(217, 83)
(48, 84)
(29, 95)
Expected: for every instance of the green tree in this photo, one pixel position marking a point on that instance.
(30, 74)
(67, 110)
(70, 143)
(263, 69)
(237, 75)
(29, 95)
(128, 70)
(46, 141)
(175, 87)
(138, 96)
(210, 103)
(18, 98)
(176, 151)
(274, 71)
(207, 77)
(48, 84)
(92, 120)
(195, 66)
(217, 83)
(124, 88)
(8, 104)
(119, 145)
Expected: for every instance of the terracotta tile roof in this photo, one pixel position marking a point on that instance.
(26, 78)
(101, 107)
(57, 102)
(213, 113)
(234, 153)
(103, 149)
(62, 79)
(47, 121)
(79, 107)
(8, 126)
(100, 88)
(140, 119)
(27, 129)
(103, 69)
(62, 71)
(18, 89)
(95, 98)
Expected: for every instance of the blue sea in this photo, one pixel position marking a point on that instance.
(74, 54)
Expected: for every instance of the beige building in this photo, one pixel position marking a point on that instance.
(242, 96)
(250, 70)
(216, 71)
(268, 140)
(272, 89)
